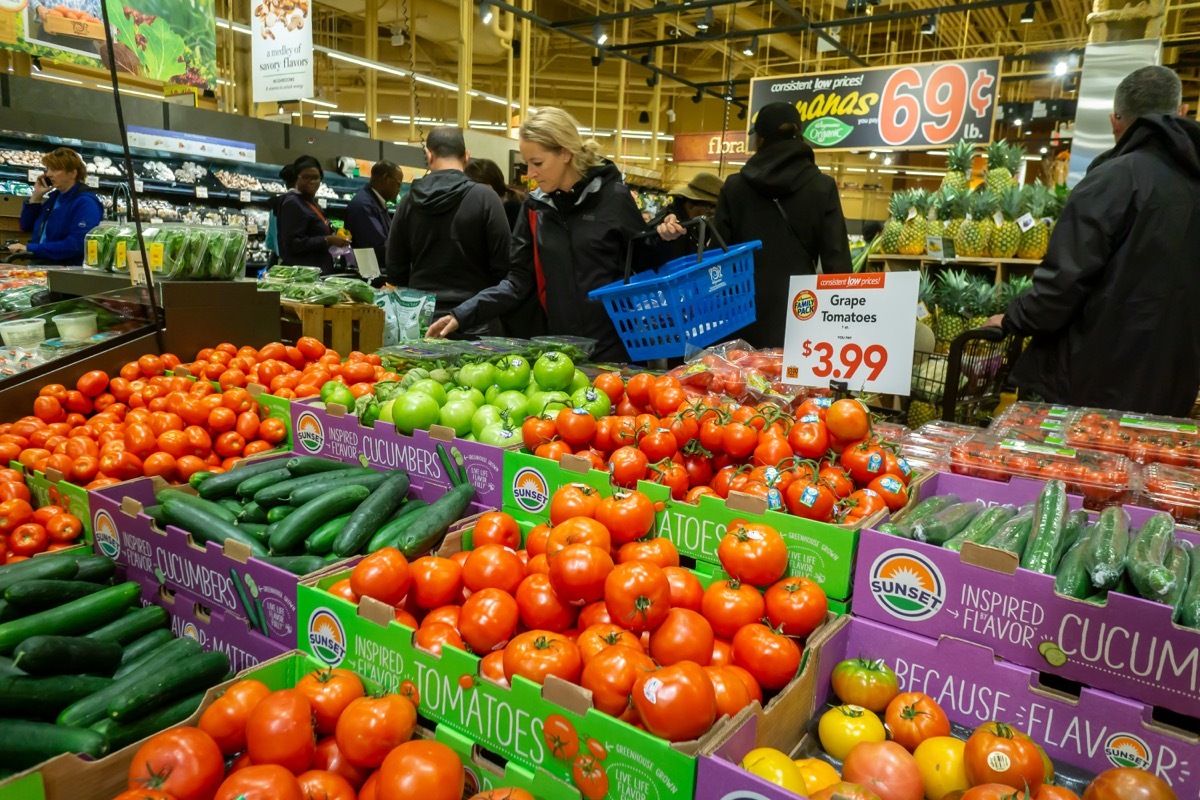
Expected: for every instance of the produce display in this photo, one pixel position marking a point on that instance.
(286, 371)
(175, 252)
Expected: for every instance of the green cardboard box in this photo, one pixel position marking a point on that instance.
(51, 488)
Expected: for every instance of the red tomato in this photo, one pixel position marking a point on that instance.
(493, 566)
(330, 758)
(772, 658)
(329, 692)
(637, 595)
(435, 581)
(1126, 783)
(266, 782)
(185, 762)
(540, 607)
(421, 769)
(753, 553)
(730, 605)
(536, 654)
(326, 785)
(797, 606)
(488, 619)
(610, 675)
(371, 726)
(27, 540)
(998, 753)
(686, 589)
(225, 719)
(279, 731)
(497, 527)
(383, 575)
(683, 636)
(913, 717)
(886, 769)
(578, 573)
(680, 704)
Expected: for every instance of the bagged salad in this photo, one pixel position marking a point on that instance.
(293, 274)
(100, 245)
(356, 291)
(314, 293)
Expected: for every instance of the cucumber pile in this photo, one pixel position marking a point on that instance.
(1088, 558)
(83, 667)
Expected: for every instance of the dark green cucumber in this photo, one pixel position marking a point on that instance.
(311, 465)
(136, 662)
(371, 515)
(1189, 604)
(207, 506)
(226, 484)
(942, 526)
(39, 697)
(253, 513)
(930, 506)
(982, 528)
(75, 617)
(8, 668)
(93, 708)
(199, 478)
(1049, 523)
(290, 533)
(123, 734)
(297, 565)
(252, 484)
(231, 505)
(279, 513)
(320, 543)
(133, 625)
(205, 527)
(279, 493)
(1077, 523)
(307, 494)
(1072, 577)
(431, 523)
(25, 744)
(156, 513)
(1180, 565)
(95, 569)
(48, 567)
(29, 596)
(67, 655)
(261, 532)
(1013, 535)
(1145, 560)
(146, 644)
(154, 690)
(1104, 556)
(894, 530)
(8, 611)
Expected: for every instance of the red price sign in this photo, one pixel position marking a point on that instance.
(936, 105)
(843, 363)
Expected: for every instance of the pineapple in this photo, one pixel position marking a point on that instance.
(1007, 237)
(959, 161)
(920, 412)
(912, 233)
(951, 208)
(927, 295)
(1010, 290)
(1035, 241)
(975, 234)
(983, 295)
(954, 294)
(898, 208)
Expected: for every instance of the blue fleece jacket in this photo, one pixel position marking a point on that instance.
(58, 224)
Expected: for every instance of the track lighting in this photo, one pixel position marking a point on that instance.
(644, 117)
(706, 23)
(930, 26)
(485, 12)
(751, 47)
(598, 59)
(698, 97)
(599, 34)
(1029, 13)
(652, 81)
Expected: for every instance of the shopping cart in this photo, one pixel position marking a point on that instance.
(963, 385)
(688, 301)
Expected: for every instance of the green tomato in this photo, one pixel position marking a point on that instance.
(512, 372)
(547, 402)
(474, 396)
(442, 376)
(533, 388)
(432, 388)
(413, 410)
(477, 376)
(514, 403)
(578, 381)
(492, 393)
(337, 393)
(369, 414)
(485, 416)
(385, 411)
(457, 414)
(593, 400)
(554, 371)
(499, 434)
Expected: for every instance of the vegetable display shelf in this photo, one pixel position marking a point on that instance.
(1088, 733)
(1127, 645)
(50, 488)
(343, 320)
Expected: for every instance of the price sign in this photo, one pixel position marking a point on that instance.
(857, 329)
(34, 174)
(92, 181)
(322, 202)
(202, 192)
(139, 186)
(244, 196)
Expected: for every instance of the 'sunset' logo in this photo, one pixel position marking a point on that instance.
(907, 585)
(326, 636)
(530, 490)
(1127, 750)
(310, 433)
(190, 631)
(804, 305)
(104, 530)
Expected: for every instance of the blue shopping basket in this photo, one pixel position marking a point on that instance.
(689, 301)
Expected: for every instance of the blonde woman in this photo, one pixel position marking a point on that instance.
(570, 237)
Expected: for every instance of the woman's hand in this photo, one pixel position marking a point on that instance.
(17, 247)
(442, 327)
(670, 229)
(41, 188)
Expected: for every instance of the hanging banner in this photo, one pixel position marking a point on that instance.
(910, 107)
(282, 50)
(708, 147)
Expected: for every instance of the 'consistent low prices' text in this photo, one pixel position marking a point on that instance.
(852, 328)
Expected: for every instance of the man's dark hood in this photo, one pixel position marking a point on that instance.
(782, 168)
(1179, 137)
(440, 192)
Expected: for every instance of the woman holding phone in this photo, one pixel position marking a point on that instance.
(61, 211)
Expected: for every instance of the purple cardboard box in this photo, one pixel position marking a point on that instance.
(1128, 646)
(1093, 732)
(333, 433)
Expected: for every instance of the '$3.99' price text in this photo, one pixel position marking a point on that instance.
(844, 363)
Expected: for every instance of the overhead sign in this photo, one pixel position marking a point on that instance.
(908, 107)
(191, 144)
(282, 50)
(855, 328)
(708, 147)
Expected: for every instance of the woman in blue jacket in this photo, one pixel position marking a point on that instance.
(61, 211)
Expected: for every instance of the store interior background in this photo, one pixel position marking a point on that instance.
(474, 61)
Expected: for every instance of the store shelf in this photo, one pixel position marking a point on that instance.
(1003, 266)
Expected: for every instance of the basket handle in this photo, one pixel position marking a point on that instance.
(700, 222)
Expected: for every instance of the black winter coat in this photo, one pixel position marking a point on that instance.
(582, 237)
(746, 211)
(1112, 310)
(302, 233)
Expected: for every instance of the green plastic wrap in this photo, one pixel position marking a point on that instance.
(312, 293)
(356, 291)
(100, 246)
(294, 274)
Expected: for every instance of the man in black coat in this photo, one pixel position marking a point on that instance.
(367, 217)
(450, 236)
(1112, 311)
(783, 200)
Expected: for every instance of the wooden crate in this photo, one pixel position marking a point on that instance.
(342, 319)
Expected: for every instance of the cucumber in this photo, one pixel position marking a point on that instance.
(229, 504)
(320, 543)
(279, 493)
(371, 515)
(39, 697)
(1104, 556)
(1179, 564)
(1145, 560)
(7, 667)
(156, 513)
(123, 734)
(1049, 522)
(95, 569)
(48, 567)
(25, 744)
(146, 644)
(297, 565)
(77, 616)
(8, 611)
(1072, 579)
(134, 625)
(205, 527)
(930, 506)
(251, 484)
(227, 483)
(253, 513)
(1077, 523)
(1013, 535)
(67, 655)
(29, 596)
(93, 708)
(290, 533)
(306, 494)
(982, 527)
(257, 530)
(207, 506)
(942, 526)
(1189, 604)
(137, 662)
(894, 530)
(163, 686)
(431, 523)
(311, 465)
(278, 514)
(199, 478)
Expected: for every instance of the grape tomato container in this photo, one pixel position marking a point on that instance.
(1033, 415)
(76, 326)
(942, 432)
(1143, 438)
(1102, 478)
(1175, 490)
(1038, 435)
(926, 457)
(890, 431)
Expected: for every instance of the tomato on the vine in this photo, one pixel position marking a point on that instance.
(892, 490)
(848, 419)
(753, 553)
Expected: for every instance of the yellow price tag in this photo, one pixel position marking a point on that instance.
(156, 256)
(93, 253)
(120, 260)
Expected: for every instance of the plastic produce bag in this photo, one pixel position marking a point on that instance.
(294, 274)
(312, 293)
(100, 244)
(407, 314)
(356, 291)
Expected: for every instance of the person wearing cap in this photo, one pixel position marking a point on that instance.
(692, 200)
(305, 235)
(781, 199)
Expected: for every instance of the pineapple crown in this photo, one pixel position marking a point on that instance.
(899, 204)
(959, 157)
(951, 203)
(1037, 200)
(1012, 202)
(922, 199)
(997, 154)
(954, 291)
(982, 296)
(927, 290)
(1014, 157)
(1010, 290)
(981, 204)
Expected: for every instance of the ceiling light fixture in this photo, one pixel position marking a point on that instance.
(1018, 122)
(652, 81)
(930, 26)
(485, 12)
(751, 47)
(706, 23)
(1045, 150)
(644, 117)
(872, 155)
(696, 98)
(1060, 68)
(1029, 13)
(887, 160)
(599, 34)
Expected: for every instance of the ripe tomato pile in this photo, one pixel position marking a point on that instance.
(823, 463)
(287, 371)
(24, 531)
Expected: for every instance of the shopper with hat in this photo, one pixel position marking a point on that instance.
(781, 199)
(692, 200)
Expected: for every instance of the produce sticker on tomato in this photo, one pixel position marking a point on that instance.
(857, 329)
